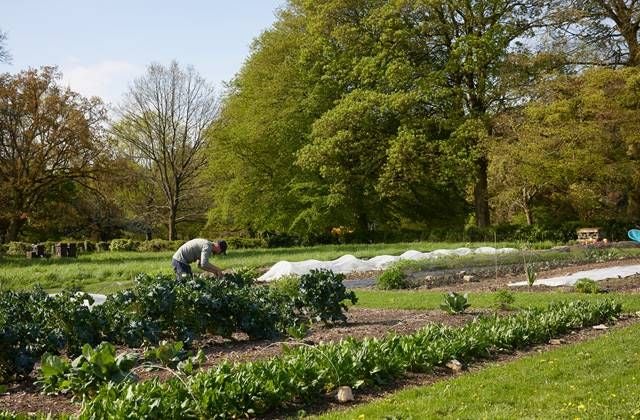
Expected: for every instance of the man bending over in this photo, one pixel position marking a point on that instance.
(199, 250)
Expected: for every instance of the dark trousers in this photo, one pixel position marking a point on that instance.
(180, 268)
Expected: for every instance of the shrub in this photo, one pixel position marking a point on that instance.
(124, 245)
(393, 278)
(586, 285)
(18, 248)
(241, 243)
(455, 303)
(157, 245)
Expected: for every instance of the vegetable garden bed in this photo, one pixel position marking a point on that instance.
(353, 356)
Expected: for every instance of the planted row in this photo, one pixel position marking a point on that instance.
(303, 374)
(160, 308)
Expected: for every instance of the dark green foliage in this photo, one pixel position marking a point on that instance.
(160, 308)
(587, 286)
(455, 303)
(23, 335)
(391, 279)
(304, 374)
(322, 296)
(242, 277)
(241, 243)
(32, 323)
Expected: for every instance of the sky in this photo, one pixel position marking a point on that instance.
(102, 46)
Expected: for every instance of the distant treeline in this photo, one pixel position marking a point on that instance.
(354, 121)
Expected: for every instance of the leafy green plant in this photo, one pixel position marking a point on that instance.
(299, 331)
(166, 353)
(288, 287)
(504, 299)
(531, 274)
(455, 303)
(586, 285)
(599, 253)
(391, 279)
(244, 276)
(321, 296)
(86, 372)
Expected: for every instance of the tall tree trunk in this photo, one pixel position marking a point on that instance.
(15, 226)
(631, 38)
(527, 198)
(172, 223)
(528, 215)
(481, 194)
(362, 226)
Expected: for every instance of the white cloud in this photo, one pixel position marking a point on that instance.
(107, 79)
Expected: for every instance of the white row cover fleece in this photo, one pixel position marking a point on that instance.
(349, 264)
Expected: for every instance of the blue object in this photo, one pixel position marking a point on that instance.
(634, 235)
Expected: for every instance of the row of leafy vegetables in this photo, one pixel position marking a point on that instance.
(160, 308)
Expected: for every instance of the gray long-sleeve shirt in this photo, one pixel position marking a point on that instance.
(194, 250)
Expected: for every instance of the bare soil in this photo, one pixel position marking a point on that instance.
(24, 396)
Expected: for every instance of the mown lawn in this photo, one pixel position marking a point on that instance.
(597, 379)
(414, 299)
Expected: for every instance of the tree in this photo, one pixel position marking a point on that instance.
(49, 136)
(266, 118)
(304, 92)
(606, 31)
(5, 57)
(574, 148)
(482, 43)
(164, 120)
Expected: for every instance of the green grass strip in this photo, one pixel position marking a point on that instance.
(425, 300)
(597, 379)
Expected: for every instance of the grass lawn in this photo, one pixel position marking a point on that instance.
(597, 379)
(414, 299)
(109, 271)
